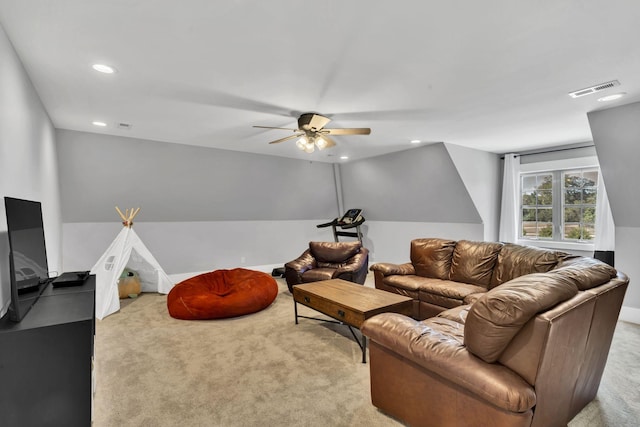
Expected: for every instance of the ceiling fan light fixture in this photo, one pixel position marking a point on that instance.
(305, 145)
(321, 143)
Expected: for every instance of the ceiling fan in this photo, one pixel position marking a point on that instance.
(311, 132)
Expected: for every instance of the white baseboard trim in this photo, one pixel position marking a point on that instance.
(630, 314)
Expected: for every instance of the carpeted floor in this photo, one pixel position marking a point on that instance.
(263, 370)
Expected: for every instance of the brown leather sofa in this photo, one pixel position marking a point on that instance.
(329, 260)
(528, 350)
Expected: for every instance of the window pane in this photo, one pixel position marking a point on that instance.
(545, 230)
(572, 180)
(545, 215)
(588, 232)
(572, 197)
(589, 215)
(572, 215)
(529, 183)
(529, 198)
(589, 196)
(544, 197)
(545, 182)
(572, 231)
(529, 229)
(528, 214)
(591, 178)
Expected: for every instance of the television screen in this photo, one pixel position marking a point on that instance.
(28, 254)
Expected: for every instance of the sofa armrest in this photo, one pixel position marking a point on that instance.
(303, 263)
(427, 344)
(293, 269)
(388, 269)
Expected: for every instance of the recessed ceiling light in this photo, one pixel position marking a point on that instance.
(415, 141)
(98, 123)
(104, 68)
(612, 97)
(344, 157)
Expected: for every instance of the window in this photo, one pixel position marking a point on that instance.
(559, 205)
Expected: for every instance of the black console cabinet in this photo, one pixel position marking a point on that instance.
(46, 360)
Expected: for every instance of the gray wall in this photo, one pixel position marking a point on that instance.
(201, 209)
(407, 195)
(204, 209)
(481, 173)
(616, 134)
(419, 185)
(172, 182)
(28, 167)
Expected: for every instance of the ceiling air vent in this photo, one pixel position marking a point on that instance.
(125, 126)
(594, 89)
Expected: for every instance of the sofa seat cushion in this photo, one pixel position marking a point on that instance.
(473, 262)
(471, 298)
(436, 345)
(446, 293)
(498, 316)
(516, 260)
(431, 257)
(448, 288)
(317, 274)
(456, 314)
(409, 282)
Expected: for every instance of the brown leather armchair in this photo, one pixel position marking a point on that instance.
(328, 260)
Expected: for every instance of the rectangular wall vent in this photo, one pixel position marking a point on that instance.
(125, 126)
(594, 89)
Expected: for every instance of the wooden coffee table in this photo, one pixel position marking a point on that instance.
(350, 304)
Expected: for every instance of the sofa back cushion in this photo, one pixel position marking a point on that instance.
(473, 262)
(431, 257)
(496, 317)
(330, 253)
(516, 260)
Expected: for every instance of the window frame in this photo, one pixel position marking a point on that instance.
(556, 168)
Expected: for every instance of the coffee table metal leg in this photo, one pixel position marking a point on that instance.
(364, 349)
(295, 309)
(362, 344)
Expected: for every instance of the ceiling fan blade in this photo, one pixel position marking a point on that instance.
(353, 131)
(310, 121)
(271, 127)
(330, 142)
(286, 138)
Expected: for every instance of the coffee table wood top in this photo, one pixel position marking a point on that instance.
(348, 302)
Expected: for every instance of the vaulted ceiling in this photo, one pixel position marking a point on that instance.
(491, 75)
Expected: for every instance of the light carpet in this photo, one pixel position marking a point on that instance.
(264, 370)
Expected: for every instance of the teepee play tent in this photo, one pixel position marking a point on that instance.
(126, 251)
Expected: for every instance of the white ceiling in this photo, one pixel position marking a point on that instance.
(492, 75)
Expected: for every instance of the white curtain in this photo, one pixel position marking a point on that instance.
(510, 199)
(605, 229)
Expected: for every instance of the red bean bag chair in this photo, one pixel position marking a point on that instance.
(221, 293)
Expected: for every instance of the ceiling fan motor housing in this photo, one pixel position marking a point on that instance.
(308, 121)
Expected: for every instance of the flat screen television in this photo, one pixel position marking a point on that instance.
(28, 265)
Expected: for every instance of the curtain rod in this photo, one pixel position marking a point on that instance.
(550, 151)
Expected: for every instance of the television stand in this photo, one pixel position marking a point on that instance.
(46, 360)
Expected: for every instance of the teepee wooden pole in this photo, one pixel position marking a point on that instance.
(127, 217)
